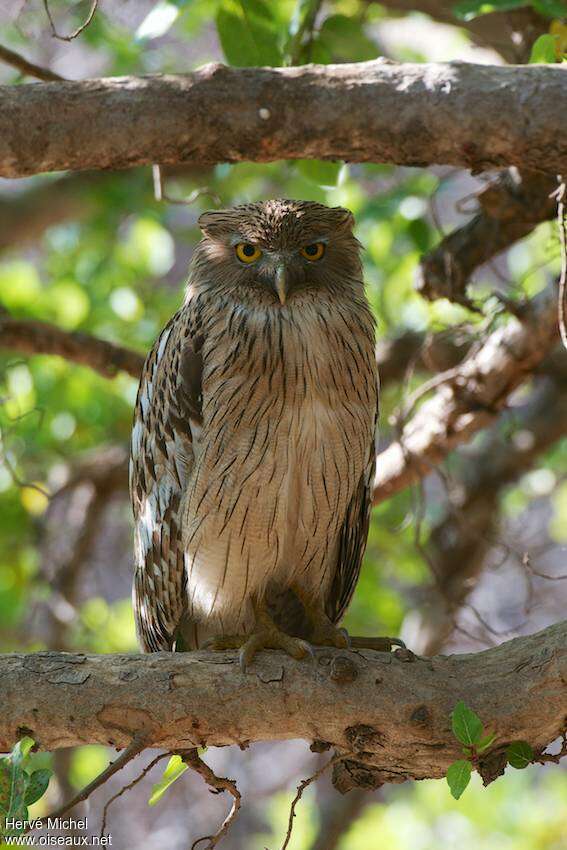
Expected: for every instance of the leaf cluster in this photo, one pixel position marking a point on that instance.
(19, 787)
(468, 729)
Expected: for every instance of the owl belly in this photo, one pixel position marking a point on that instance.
(265, 508)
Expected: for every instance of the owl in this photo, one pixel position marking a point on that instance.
(253, 444)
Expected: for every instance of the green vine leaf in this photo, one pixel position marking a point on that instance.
(37, 785)
(519, 755)
(458, 777)
(467, 726)
(175, 768)
(485, 742)
(544, 50)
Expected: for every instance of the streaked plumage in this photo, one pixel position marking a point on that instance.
(253, 441)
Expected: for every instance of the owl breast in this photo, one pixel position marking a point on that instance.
(288, 425)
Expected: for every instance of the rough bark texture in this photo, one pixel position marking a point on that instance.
(470, 397)
(390, 713)
(475, 116)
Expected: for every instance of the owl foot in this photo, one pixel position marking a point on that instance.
(264, 638)
(325, 633)
(272, 639)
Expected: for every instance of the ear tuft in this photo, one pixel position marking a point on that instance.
(343, 217)
(215, 222)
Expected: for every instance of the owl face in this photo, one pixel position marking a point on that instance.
(279, 248)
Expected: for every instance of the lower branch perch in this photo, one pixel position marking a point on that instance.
(390, 710)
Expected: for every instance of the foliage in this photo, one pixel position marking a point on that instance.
(468, 730)
(174, 769)
(117, 270)
(20, 787)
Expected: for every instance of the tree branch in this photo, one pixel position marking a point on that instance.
(29, 336)
(30, 69)
(510, 209)
(460, 541)
(474, 116)
(394, 715)
(470, 398)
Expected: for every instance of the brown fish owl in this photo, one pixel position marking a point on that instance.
(254, 438)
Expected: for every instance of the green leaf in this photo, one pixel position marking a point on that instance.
(467, 726)
(458, 777)
(551, 8)
(485, 742)
(13, 782)
(22, 749)
(320, 171)
(469, 9)
(519, 755)
(37, 785)
(543, 50)
(248, 33)
(343, 39)
(175, 768)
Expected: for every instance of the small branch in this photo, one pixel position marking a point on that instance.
(79, 30)
(134, 748)
(301, 788)
(129, 787)
(28, 68)
(510, 208)
(29, 336)
(561, 196)
(459, 543)
(218, 784)
(472, 399)
(160, 195)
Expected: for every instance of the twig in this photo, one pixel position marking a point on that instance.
(218, 784)
(129, 787)
(136, 745)
(160, 195)
(301, 788)
(560, 195)
(30, 69)
(78, 31)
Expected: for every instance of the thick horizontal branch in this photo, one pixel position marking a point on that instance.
(510, 209)
(469, 397)
(390, 713)
(33, 337)
(475, 116)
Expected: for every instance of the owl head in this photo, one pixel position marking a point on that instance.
(279, 248)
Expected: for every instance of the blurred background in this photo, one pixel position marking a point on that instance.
(475, 555)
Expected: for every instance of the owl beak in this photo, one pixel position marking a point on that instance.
(280, 284)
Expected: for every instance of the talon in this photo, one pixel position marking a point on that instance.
(379, 644)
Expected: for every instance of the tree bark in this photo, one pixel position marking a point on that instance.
(30, 336)
(469, 397)
(473, 116)
(391, 714)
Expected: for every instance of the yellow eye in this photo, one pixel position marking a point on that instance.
(247, 253)
(313, 252)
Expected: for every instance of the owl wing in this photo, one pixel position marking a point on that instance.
(352, 540)
(166, 427)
